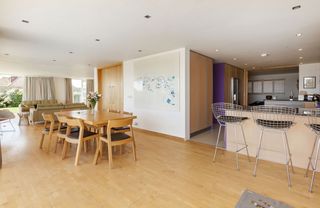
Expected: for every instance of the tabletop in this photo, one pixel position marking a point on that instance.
(94, 118)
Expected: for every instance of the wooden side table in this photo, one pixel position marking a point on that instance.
(23, 116)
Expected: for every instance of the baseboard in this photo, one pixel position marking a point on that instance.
(154, 133)
(200, 131)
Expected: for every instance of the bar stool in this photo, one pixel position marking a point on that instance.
(229, 114)
(314, 124)
(275, 119)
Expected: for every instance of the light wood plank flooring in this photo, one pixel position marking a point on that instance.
(168, 173)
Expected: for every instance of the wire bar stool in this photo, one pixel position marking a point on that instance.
(230, 114)
(277, 119)
(314, 125)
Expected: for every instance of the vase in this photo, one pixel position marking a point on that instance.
(92, 106)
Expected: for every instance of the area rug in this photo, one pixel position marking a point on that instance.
(250, 199)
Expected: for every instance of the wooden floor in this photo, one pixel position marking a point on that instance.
(168, 173)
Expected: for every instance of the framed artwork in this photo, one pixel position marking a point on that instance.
(309, 82)
(156, 82)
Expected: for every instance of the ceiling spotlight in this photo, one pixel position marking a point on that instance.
(97, 40)
(6, 54)
(296, 7)
(139, 51)
(300, 49)
(246, 64)
(25, 21)
(217, 50)
(89, 64)
(264, 54)
(71, 52)
(300, 57)
(253, 67)
(147, 16)
(54, 60)
(235, 59)
(299, 34)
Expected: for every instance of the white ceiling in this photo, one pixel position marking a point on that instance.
(239, 29)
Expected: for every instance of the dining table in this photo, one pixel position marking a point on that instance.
(94, 118)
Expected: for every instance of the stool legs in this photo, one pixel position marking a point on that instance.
(310, 158)
(314, 166)
(286, 151)
(258, 153)
(290, 155)
(245, 143)
(217, 142)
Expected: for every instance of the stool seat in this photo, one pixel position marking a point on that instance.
(231, 119)
(315, 127)
(274, 124)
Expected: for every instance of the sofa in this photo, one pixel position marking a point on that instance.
(36, 108)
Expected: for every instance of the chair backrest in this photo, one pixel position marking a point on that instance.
(125, 122)
(126, 113)
(71, 122)
(314, 120)
(48, 120)
(230, 110)
(113, 110)
(277, 117)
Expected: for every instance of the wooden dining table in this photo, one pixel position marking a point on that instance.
(94, 118)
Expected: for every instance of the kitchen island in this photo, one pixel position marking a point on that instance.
(300, 139)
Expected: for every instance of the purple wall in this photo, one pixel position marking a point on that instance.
(218, 83)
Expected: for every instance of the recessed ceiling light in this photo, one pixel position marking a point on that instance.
(147, 16)
(54, 60)
(70, 52)
(246, 64)
(235, 59)
(139, 51)
(89, 64)
(296, 7)
(253, 67)
(217, 50)
(25, 21)
(6, 54)
(300, 49)
(264, 54)
(300, 57)
(97, 40)
(299, 34)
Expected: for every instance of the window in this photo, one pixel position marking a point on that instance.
(79, 90)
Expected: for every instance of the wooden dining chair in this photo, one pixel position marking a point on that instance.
(49, 127)
(76, 137)
(113, 110)
(114, 139)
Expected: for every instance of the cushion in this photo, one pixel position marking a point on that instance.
(120, 128)
(315, 127)
(274, 124)
(75, 135)
(63, 130)
(118, 136)
(231, 119)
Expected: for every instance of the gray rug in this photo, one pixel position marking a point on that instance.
(251, 199)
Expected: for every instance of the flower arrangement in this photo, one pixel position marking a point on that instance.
(93, 98)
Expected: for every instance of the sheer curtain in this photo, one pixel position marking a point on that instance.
(90, 86)
(69, 94)
(39, 88)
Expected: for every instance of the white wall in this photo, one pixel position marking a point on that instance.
(290, 83)
(166, 122)
(307, 70)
